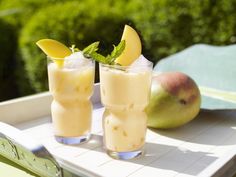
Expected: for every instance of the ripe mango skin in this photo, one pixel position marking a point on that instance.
(172, 108)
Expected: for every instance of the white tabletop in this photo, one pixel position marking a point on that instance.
(186, 151)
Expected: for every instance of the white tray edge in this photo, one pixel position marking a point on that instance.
(32, 107)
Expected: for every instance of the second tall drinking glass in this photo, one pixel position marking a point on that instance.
(125, 92)
(71, 84)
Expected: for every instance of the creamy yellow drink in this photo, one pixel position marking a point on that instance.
(125, 82)
(71, 78)
(71, 87)
(125, 94)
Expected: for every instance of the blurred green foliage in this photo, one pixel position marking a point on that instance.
(165, 27)
(170, 26)
(18, 12)
(70, 25)
(7, 61)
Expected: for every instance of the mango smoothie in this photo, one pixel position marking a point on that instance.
(125, 94)
(71, 86)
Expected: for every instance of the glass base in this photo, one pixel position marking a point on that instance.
(125, 155)
(72, 140)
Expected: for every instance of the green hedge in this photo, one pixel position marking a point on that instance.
(168, 27)
(18, 12)
(71, 23)
(8, 87)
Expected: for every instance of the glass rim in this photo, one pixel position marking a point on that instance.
(63, 59)
(149, 65)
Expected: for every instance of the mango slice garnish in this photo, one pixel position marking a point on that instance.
(55, 50)
(133, 47)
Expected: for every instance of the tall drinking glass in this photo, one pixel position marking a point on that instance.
(125, 92)
(71, 85)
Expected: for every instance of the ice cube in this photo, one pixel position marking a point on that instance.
(76, 60)
(141, 61)
(141, 64)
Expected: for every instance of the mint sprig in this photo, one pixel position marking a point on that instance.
(98, 57)
(117, 51)
(92, 48)
(91, 52)
(74, 49)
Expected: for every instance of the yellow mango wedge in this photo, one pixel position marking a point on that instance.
(54, 49)
(133, 47)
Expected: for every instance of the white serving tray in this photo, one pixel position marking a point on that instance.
(204, 147)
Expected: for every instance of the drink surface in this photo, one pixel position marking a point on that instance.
(71, 108)
(125, 95)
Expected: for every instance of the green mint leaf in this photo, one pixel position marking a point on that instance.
(87, 51)
(73, 48)
(91, 52)
(113, 53)
(98, 57)
(110, 60)
(117, 51)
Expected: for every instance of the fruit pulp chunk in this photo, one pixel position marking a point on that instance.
(125, 96)
(124, 130)
(71, 107)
